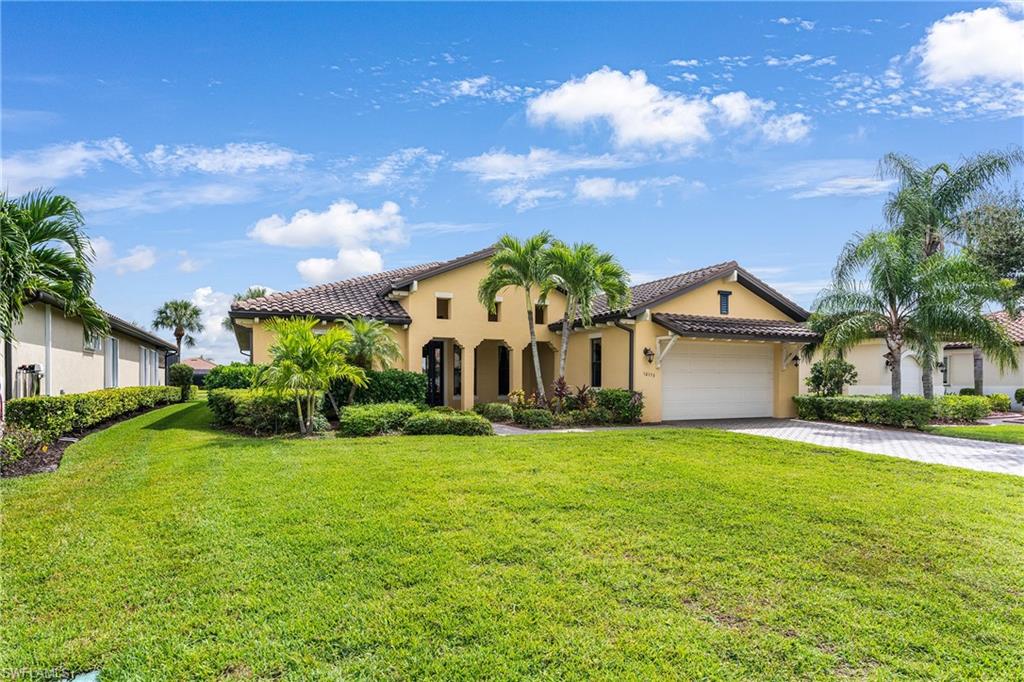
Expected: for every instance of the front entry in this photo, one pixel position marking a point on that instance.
(433, 367)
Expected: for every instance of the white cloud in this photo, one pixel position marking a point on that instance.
(350, 262)
(137, 259)
(233, 158)
(157, 197)
(796, 22)
(214, 342)
(738, 108)
(26, 170)
(188, 263)
(479, 87)
(343, 224)
(684, 63)
(639, 112)
(605, 189)
(499, 165)
(986, 44)
(787, 128)
(800, 60)
(828, 178)
(523, 197)
(405, 165)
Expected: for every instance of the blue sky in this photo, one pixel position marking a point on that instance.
(213, 147)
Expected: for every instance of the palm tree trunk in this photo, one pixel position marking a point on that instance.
(927, 384)
(298, 409)
(979, 372)
(896, 366)
(533, 347)
(334, 403)
(570, 314)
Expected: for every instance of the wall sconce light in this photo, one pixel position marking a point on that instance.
(649, 354)
(796, 360)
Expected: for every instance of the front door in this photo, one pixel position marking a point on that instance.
(433, 367)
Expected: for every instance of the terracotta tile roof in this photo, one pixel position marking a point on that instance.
(734, 327)
(1015, 329)
(200, 364)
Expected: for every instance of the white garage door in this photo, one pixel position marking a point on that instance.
(716, 380)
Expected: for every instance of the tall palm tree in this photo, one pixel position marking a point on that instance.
(930, 200)
(371, 344)
(181, 316)
(522, 264)
(251, 292)
(44, 249)
(582, 273)
(305, 363)
(909, 299)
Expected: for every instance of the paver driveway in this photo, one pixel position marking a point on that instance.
(922, 447)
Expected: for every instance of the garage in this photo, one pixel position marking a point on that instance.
(702, 380)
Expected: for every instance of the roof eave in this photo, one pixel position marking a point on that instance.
(267, 314)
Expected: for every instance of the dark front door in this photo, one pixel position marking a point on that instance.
(433, 367)
(503, 370)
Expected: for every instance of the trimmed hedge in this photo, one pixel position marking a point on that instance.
(448, 423)
(495, 412)
(592, 416)
(535, 418)
(999, 402)
(1018, 395)
(908, 411)
(257, 411)
(962, 408)
(17, 442)
(968, 391)
(376, 419)
(181, 375)
(235, 375)
(56, 415)
(385, 386)
(625, 406)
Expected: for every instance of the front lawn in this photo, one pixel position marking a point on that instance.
(162, 549)
(1000, 433)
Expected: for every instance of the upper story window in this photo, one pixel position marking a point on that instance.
(494, 315)
(540, 314)
(444, 308)
(723, 302)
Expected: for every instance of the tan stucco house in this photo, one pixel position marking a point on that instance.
(959, 364)
(713, 342)
(52, 355)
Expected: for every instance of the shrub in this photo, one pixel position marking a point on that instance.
(55, 415)
(235, 375)
(999, 402)
(962, 408)
(448, 423)
(625, 406)
(495, 412)
(903, 412)
(534, 418)
(255, 411)
(968, 391)
(444, 409)
(385, 386)
(376, 419)
(17, 442)
(829, 377)
(181, 375)
(592, 416)
(1018, 395)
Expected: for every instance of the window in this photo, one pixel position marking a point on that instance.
(723, 302)
(92, 343)
(539, 312)
(457, 371)
(110, 357)
(444, 308)
(595, 363)
(495, 315)
(945, 370)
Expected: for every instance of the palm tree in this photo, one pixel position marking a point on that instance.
(520, 264)
(909, 299)
(582, 273)
(181, 316)
(930, 201)
(251, 292)
(44, 249)
(305, 363)
(371, 344)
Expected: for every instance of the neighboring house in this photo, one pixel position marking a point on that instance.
(959, 364)
(873, 374)
(200, 367)
(55, 346)
(714, 342)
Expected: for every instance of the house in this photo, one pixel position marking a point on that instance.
(958, 363)
(52, 355)
(200, 368)
(713, 342)
(873, 374)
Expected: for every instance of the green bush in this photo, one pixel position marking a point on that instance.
(968, 391)
(534, 418)
(999, 402)
(235, 375)
(376, 419)
(55, 415)
(495, 412)
(962, 408)
(625, 406)
(908, 411)
(255, 411)
(447, 423)
(829, 377)
(385, 386)
(443, 409)
(1018, 395)
(17, 442)
(181, 375)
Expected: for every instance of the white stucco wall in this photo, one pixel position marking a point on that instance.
(961, 374)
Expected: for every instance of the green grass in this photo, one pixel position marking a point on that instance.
(1000, 433)
(164, 550)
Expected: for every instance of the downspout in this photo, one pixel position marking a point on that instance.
(629, 330)
(8, 370)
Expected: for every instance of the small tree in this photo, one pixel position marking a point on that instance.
(830, 376)
(181, 375)
(372, 346)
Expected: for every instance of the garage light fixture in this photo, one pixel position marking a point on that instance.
(649, 354)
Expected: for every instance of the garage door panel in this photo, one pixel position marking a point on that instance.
(707, 381)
